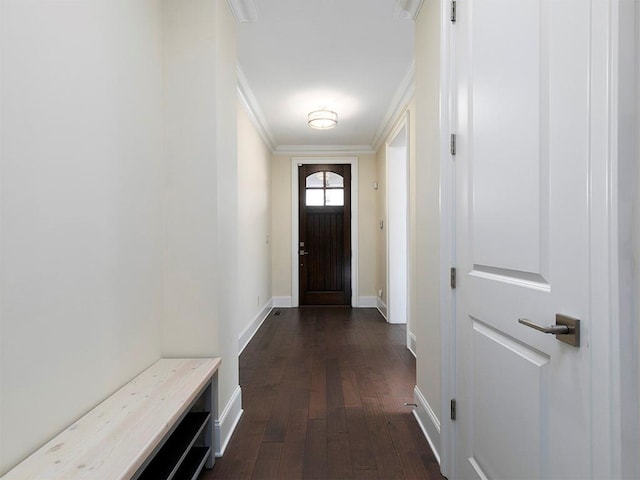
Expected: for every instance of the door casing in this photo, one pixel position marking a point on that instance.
(295, 223)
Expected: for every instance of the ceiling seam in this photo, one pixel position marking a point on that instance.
(398, 103)
(250, 104)
(408, 8)
(244, 11)
(324, 150)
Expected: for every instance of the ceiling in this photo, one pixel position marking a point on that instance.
(355, 57)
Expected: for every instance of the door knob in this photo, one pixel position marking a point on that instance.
(302, 252)
(566, 329)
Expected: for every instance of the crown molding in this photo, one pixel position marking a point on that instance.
(250, 104)
(407, 9)
(244, 11)
(397, 107)
(324, 150)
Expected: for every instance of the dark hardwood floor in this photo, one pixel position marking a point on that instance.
(323, 392)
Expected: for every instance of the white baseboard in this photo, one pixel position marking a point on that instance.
(428, 422)
(367, 302)
(248, 333)
(382, 307)
(225, 425)
(411, 343)
(282, 302)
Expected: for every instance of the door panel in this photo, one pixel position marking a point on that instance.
(325, 234)
(522, 245)
(324, 262)
(508, 215)
(501, 412)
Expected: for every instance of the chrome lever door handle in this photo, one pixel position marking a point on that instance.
(566, 329)
(302, 252)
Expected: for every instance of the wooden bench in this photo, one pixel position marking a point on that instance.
(158, 426)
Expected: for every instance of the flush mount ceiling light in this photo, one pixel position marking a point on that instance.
(322, 119)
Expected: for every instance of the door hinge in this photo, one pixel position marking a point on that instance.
(453, 409)
(452, 144)
(453, 11)
(453, 277)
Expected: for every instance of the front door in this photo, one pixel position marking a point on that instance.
(524, 184)
(325, 234)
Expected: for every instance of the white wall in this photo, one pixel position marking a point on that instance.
(201, 281)
(228, 320)
(119, 203)
(81, 209)
(191, 296)
(281, 226)
(367, 226)
(425, 302)
(254, 226)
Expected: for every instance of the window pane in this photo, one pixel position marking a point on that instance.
(334, 180)
(315, 180)
(315, 198)
(335, 197)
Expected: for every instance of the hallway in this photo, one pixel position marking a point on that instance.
(323, 397)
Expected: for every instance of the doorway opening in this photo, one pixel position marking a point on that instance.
(398, 225)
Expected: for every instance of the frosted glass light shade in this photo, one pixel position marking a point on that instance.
(322, 119)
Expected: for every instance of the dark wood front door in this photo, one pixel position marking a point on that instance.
(325, 234)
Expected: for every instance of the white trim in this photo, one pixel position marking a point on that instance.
(252, 107)
(411, 342)
(226, 424)
(447, 237)
(324, 150)
(244, 11)
(382, 307)
(367, 302)
(428, 421)
(295, 280)
(604, 336)
(397, 107)
(247, 334)
(282, 302)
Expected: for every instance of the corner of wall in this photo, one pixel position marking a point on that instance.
(411, 343)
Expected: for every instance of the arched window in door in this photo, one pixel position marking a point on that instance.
(324, 189)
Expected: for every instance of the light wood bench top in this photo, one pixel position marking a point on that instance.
(114, 439)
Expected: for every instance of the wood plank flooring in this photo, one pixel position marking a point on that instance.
(323, 392)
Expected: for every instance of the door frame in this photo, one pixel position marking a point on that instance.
(295, 222)
(605, 340)
(447, 222)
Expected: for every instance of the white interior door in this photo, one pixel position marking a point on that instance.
(523, 190)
